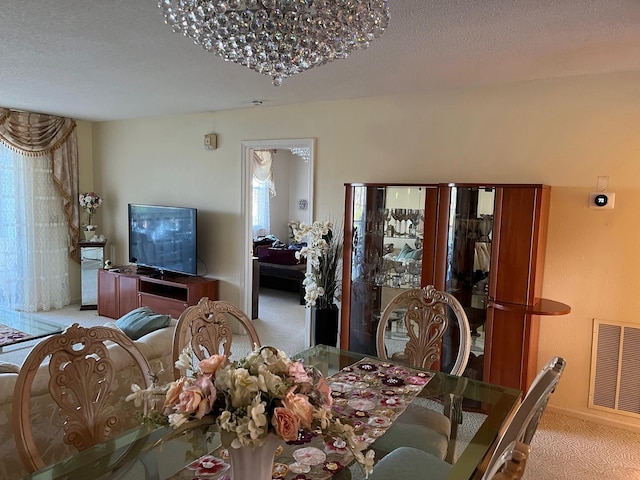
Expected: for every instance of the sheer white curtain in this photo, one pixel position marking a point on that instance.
(34, 244)
(263, 189)
(261, 213)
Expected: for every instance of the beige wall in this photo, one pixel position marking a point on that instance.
(564, 133)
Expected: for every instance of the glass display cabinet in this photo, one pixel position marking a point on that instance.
(468, 245)
(484, 244)
(92, 258)
(385, 234)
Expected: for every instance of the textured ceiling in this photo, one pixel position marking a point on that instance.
(116, 59)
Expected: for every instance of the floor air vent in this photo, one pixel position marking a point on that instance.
(615, 368)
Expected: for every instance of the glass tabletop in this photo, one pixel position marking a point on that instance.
(137, 453)
(17, 327)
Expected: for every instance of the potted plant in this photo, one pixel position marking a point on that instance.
(322, 284)
(90, 202)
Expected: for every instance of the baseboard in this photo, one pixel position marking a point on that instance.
(611, 422)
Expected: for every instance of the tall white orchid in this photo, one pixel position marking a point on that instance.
(324, 252)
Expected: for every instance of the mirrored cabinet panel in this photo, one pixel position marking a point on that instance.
(92, 258)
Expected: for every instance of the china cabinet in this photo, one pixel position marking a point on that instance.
(482, 243)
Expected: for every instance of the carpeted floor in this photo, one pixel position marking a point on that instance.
(567, 448)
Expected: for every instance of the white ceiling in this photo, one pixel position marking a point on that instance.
(116, 59)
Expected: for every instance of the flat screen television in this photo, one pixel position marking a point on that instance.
(163, 238)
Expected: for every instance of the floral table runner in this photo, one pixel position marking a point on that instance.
(371, 394)
(9, 335)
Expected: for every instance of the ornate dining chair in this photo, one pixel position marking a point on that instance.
(82, 376)
(207, 328)
(423, 316)
(506, 462)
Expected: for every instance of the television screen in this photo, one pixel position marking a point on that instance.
(163, 237)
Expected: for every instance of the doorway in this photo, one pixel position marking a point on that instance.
(302, 150)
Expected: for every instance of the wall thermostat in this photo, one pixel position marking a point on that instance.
(602, 200)
(210, 141)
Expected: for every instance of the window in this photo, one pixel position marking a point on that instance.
(261, 223)
(34, 265)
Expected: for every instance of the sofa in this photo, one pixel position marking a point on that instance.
(155, 346)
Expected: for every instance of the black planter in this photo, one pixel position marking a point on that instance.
(324, 322)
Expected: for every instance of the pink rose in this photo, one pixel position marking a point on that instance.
(173, 394)
(286, 424)
(211, 364)
(325, 390)
(300, 406)
(197, 397)
(205, 385)
(190, 399)
(297, 372)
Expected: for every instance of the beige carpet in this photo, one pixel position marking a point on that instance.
(569, 448)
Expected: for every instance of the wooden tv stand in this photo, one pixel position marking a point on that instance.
(120, 292)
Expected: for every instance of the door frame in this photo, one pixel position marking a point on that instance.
(248, 147)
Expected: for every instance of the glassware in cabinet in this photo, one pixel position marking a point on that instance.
(386, 228)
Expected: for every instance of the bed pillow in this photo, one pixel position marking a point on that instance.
(141, 321)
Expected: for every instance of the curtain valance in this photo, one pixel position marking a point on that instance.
(37, 134)
(263, 169)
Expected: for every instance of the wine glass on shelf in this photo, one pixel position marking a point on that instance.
(403, 218)
(387, 218)
(397, 215)
(414, 216)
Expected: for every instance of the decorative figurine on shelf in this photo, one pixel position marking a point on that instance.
(90, 202)
(108, 265)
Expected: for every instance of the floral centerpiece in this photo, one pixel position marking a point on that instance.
(90, 202)
(252, 399)
(324, 252)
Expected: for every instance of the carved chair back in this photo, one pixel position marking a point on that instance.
(81, 375)
(206, 328)
(424, 315)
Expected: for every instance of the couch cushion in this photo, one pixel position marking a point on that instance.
(141, 321)
(6, 367)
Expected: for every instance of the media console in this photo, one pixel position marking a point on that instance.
(121, 292)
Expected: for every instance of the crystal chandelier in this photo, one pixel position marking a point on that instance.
(278, 38)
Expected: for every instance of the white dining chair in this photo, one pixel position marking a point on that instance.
(208, 328)
(424, 315)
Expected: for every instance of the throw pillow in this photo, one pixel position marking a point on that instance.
(406, 250)
(414, 255)
(141, 321)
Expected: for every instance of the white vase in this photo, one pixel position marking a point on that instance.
(254, 463)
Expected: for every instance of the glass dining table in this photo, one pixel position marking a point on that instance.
(151, 452)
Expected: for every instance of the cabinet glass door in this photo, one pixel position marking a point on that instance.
(386, 256)
(469, 241)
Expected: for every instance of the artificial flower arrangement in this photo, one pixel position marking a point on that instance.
(90, 202)
(324, 252)
(248, 399)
